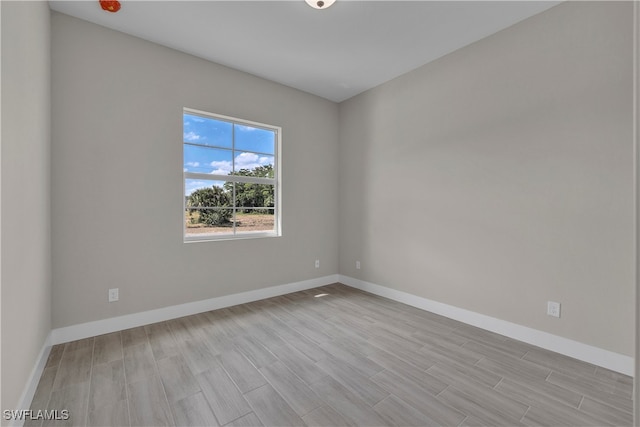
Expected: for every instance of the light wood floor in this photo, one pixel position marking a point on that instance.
(347, 358)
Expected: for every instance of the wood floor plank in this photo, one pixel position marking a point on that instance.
(592, 388)
(558, 362)
(139, 363)
(474, 422)
(443, 335)
(303, 344)
(309, 331)
(394, 364)
(218, 342)
(55, 356)
(343, 332)
(485, 404)
(515, 369)
(398, 413)
(559, 415)
(43, 391)
(116, 414)
(498, 349)
(107, 348)
(74, 368)
(242, 315)
(477, 334)
(460, 375)
(177, 379)
(418, 358)
(300, 364)
(342, 400)
(78, 344)
(185, 328)
(354, 324)
(222, 324)
(294, 391)
(360, 385)
(249, 420)
(148, 405)
(622, 382)
(271, 408)
(225, 399)
(241, 371)
(73, 399)
(420, 397)
(193, 411)
(324, 416)
(33, 422)
(606, 413)
(163, 343)
(351, 357)
(199, 355)
(538, 393)
(444, 352)
(253, 350)
(133, 336)
(108, 385)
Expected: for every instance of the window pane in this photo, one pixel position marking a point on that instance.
(207, 160)
(206, 131)
(255, 139)
(254, 164)
(255, 220)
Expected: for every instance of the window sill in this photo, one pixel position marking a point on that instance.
(229, 237)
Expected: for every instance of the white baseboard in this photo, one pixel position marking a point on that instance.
(32, 384)
(114, 324)
(587, 353)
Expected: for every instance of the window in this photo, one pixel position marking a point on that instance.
(231, 177)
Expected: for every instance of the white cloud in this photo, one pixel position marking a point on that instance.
(251, 161)
(242, 161)
(223, 167)
(193, 164)
(191, 136)
(245, 128)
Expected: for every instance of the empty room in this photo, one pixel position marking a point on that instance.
(322, 213)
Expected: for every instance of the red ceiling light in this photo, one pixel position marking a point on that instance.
(110, 5)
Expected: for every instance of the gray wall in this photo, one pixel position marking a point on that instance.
(501, 176)
(117, 177)
(26, 231)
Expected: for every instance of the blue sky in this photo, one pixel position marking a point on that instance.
(216, 153)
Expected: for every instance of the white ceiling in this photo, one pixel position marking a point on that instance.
(335, 53)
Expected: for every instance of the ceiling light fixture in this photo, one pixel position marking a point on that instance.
(320, 4)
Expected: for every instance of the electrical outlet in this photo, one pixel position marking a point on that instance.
(317, 263)
(357, 265)
(113, 295)
(553, 308)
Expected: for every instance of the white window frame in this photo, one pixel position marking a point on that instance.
(275, 181)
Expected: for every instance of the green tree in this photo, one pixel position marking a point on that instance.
(210, 197)
(250, 195)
